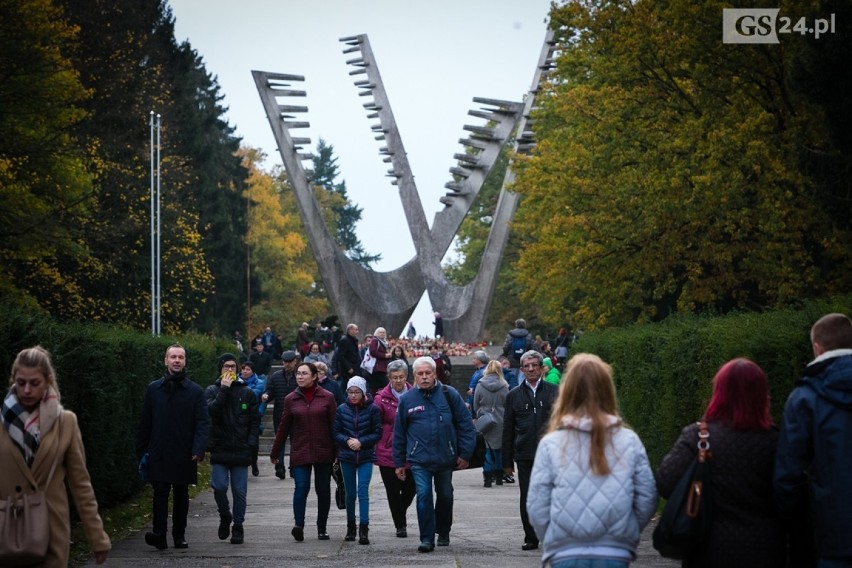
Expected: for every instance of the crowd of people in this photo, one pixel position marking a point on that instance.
(587, 488)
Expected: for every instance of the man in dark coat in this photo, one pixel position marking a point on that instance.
(348, 357)
(234, 436)
(813, 459)
(525, 419)
(261, 359)
(278, 386)
(173, 431)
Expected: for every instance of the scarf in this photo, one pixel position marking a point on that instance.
(25, 428)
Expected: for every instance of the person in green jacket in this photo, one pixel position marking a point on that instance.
(552, 374)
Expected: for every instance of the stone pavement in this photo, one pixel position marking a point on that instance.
(486, 532)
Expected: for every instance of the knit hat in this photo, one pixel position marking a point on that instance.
(223, 358)
(357, 382)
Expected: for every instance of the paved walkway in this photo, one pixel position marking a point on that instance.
(486, 533)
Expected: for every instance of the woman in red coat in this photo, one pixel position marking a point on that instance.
(308, 418)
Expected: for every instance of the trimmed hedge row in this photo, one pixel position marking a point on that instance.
(102, 372)
(664, 371)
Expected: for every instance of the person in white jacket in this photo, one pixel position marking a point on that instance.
(592, 490)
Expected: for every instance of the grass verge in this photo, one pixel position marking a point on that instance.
(123, 520)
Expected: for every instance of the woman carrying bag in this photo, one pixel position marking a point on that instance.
(40, 440)
(745, 529)
(490, 398)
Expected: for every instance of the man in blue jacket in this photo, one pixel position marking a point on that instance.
(814, 459)
(433, 433)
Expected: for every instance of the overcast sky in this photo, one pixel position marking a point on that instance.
(434, 58)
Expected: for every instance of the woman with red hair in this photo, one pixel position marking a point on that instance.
(746, 529)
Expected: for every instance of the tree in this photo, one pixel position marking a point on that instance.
(668, 165)
(44, 182)
(348, 214)
(283, 270)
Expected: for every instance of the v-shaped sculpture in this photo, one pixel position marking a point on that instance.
(372, 299)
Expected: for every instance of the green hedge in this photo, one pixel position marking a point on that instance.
(102, 372)
(664, 371)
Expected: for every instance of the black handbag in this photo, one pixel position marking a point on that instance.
(685, 522)
(340, 491)
(478, 457)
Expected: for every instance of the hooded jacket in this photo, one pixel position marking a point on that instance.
(235, 423)
(490, 396)
(820, 404)
(571, 507)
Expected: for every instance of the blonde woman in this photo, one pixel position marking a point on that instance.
(490, 398)
(37, 432)
(592, 490)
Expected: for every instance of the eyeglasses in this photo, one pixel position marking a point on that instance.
(354, 392)
(397, 379)
(229, 366)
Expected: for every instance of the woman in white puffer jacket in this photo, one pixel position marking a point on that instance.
(592, 490)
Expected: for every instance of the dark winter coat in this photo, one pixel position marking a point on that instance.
(525, 419)
(173, 427)
(309, 425)
(746, 528)
(262, 361)
(362, 422)
(514, 359)
(333, 387)
(432, 429)
(348, 358)
(235, 423)
(278, 387)
(815, 451)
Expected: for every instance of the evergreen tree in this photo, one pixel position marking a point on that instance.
(347, 213)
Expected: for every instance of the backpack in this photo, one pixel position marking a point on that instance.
(519, 346)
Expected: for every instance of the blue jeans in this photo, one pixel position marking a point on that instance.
(434, 516)
(589, 563)
(357, 488)
(219, 474)
(322, 481)
(493, 462)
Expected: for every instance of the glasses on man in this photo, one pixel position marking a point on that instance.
(231, 366)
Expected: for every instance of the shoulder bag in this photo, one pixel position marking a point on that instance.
(369, 362)
(340, 490)
(686, 518)
(24, 523)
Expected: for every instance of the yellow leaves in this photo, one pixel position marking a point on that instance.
(663, 179)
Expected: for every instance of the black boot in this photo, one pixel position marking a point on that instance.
(237, 534)
(350, 531)
(224, 525)
(486, 475)
(157, 540)
(363, 529)
(498, 477)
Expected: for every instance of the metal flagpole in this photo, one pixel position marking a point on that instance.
(159, 237)
(153, 250)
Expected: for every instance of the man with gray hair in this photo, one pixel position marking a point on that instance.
(479, 359)
(433, 433)
(525, 419)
